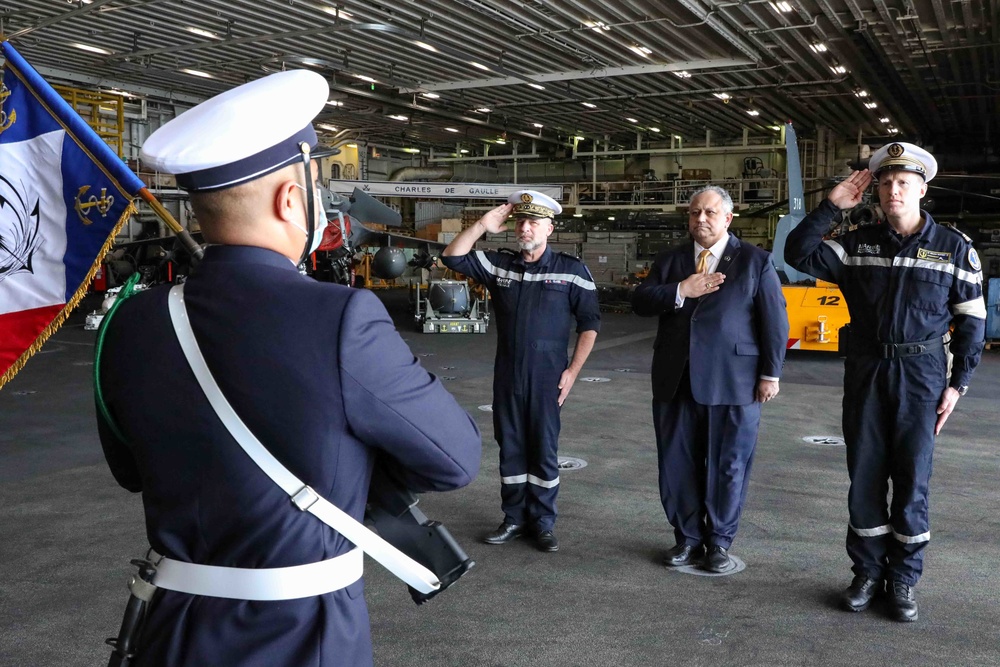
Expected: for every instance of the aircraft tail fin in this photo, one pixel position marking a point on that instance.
(796, 207)
(365, 208)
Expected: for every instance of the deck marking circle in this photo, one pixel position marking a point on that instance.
(571, 463)
(829, 440)
(697, 571)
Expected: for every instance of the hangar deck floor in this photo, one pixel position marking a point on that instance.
(67, 531)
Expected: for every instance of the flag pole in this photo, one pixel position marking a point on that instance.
(189, 243)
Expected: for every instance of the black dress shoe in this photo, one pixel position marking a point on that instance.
(902, 601)
(717, 560)
(546, 541)
(682, 554)
(504, 534)
(860, 593)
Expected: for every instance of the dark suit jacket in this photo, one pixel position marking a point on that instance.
(730, 337)
(320, 376)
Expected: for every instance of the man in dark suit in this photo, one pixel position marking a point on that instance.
(316, 371)
(717, 357)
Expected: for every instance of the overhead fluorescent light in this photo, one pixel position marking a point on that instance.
(537, 86)
(597, 25)
(202, 33)
(398, 116)
(334, 11)
(818, 47)
(632, 120)
(579, 138)
(838, 69)
(861, 93)
(871, 105)
(683, 74)
(538, 125)
(411, 150)
(464, 151)
(335, 103)
(198, 72)
(641, 50)
(885, 120)
(430, 96)
(781, 7)
(501, 141)
(326, 126)
(654, 129)
(893, 130)
(480, 66)
(365, 78)
(722, 96)
(611, 217)
(578, 215)
(451, 129)
(92, 49)
(776, 128)
(589, 105)
(425, 45)
(753, 112)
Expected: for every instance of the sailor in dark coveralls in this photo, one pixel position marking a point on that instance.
(906, 281)
(536, 293)
(316, 371)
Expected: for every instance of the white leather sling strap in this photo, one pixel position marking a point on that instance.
(302, 496)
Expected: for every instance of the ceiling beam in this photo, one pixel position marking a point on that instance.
(603, 72)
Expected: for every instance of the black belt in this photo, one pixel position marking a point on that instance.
(897, 350)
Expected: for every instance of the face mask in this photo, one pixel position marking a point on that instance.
(320, 221)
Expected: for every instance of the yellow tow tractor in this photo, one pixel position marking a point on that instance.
(816, 312)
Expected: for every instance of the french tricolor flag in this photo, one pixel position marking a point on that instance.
(64, 194)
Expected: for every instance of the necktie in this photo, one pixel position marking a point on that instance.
(703, 261)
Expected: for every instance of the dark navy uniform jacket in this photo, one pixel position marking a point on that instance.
(899, 290)
(320, 376)
(534, 303)
(730, 338)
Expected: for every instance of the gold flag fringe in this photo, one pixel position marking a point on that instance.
(59, 319)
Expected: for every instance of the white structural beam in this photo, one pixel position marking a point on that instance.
(62, 77)
(681, 66)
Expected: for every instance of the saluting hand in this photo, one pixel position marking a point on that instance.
(495, 220)
(848, 192)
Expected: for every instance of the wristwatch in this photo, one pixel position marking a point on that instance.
(961, 390)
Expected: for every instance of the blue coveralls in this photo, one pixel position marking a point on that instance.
(903, 293)
(533, 303)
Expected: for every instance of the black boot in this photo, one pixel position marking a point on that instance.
(860, 593)
(902, 601)
(505, 533)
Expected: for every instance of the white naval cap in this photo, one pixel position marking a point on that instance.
(241, 134)
(907, 157)
(533, 204)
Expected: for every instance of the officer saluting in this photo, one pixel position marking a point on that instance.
(316, 372)
(536, 294)
(905, 283)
